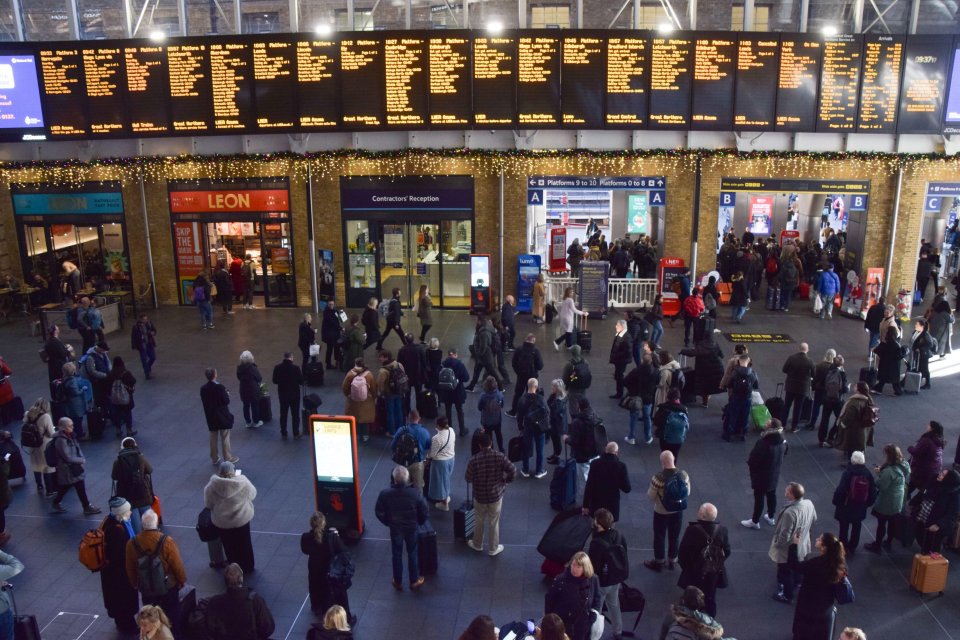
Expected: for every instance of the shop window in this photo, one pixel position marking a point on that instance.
(550, 16)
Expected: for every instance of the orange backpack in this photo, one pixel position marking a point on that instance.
(92, 554)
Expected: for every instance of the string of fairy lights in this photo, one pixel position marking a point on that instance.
(329, 165)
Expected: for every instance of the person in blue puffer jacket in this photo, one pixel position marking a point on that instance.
(828, 286)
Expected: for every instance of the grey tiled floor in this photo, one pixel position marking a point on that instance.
(173, 436)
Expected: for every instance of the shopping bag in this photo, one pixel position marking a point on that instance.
(817, 304)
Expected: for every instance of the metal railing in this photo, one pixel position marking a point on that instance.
(621, 292)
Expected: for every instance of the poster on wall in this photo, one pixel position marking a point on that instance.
(189, 254)
(326, 283)
(528, 270)
(638, 214)
(592, 294)
(393, 245)
(558, 249)
(761, 213)
(280, 260)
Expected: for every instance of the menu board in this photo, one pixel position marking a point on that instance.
(582, 81)
(405, 86)
(231, 78)
(450, 99)
(628, 64)
(318, 84)
(362, 88)
(758, 60)
(275, 83)
(800, 58)
(21, 111)
(839, 81)
(105, 88)
(924, 82)
(148, 88)
(61, 70)
(714, 69)
(538, 80)
(880, 83)
(494, 89)
(671, 77)
(188, 67)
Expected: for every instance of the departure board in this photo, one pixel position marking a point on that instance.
(450, 98)
(61, 74)
(671, 78)
(582, 72)
(538, 80)
(758, 62)
(880, 83)
(494, 88)
(318, 84)
(231, 78)
(362, 88)
(275, 83)
(105, 88)
(21, 110)
(148, 89)
(800, 59)
(405, 65)
(923, 87)
(839, 82)
(628, 67)
(714, 71)
(188, 68)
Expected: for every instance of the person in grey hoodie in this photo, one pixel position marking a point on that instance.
(229, 496)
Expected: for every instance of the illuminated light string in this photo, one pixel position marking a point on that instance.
(482, 162)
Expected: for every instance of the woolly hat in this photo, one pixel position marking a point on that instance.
(119, 506)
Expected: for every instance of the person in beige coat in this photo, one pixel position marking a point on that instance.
(40, 415)
(667, 366)
(364, 411)
(539, 299)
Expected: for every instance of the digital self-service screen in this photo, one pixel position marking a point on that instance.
(335, 472)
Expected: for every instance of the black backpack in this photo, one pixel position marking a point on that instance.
(712, 555)
(537, 416)
(579, 377)
(398, 383)
(741, 385)
(407, 449)
(30, 435)
(614, 565)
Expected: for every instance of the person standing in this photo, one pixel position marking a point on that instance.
(539, 299)
(672, 424)
(320, 544)
(143, 340)
(855, 493)
(708, 368)
(39, 421)
(250, 380)
(132, 475)
(224, 286)
(359, 388)
(236, 279)
(288, 379)
(608, 479)
(937, 514)
(424, 311)
(394, 313)
(96, 369)
(608, 549)
(489, 472)
(819, 381)
(855, 430)
(508, 312)
(793, 526)
(926, 457)
(410, 446)
(392, 386)
(621, 353)
(533, 420)
(371, 324)
(892, 480)
(890, 355)
(330, 330)
(229, 496)
(58, 353)
(402, 508)
(148, 542)
(413, 358)
(78, 396)
(567, 313)
(641, 385)
(655, 318)
(451, 377)
(742, 383)
(765, 461)
(490, 406)
(249, 273)
(669, 489)
(582, 438)
(443, 448)
(871, 324)
(9, 567)
(799, 369)
(71, 468)
(201, 298)
(577, 376)
(527, 363)
(306, 337)
(216, 410)
(353, 342)
(922, 347)
(815, 613)
(557, 403)
(924, 271)
(703, 550)
(692, 307)
(122, 385)
(575, 596)
(835, 387)
(240, 612)
(119, 598)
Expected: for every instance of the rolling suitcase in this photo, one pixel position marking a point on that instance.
(427, 549)
(11, 411)
(776, 405)
(265, 407)
(551, 311)
(96, 423)
(869, 373)
(929, 573)
(688, 395)
(427, 404)
(565, 536)
(563, 485)
(24, 627)
(773, 298)
(515, 449)
(803, 291)
(464, 518)
(806, 409)
(311, 405)
(584, 338)
(313, 375)
(912, 379)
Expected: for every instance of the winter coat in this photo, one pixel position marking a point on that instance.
(413, 357)
(120, 599)
(354, 346)
(331, 326)
(828, 285)
(572, 599)
(288, 379)
(230, 501)
(79, 396)
(568, 310)
(642, 382)
(57, 356)
(434, 360)
(249, 376)
(892, 484)
(558, 413)
(846, 511)
(38, 463)
(765, 460)
(946, 502)
(239, 614)
(583, 445)
(926, 460)
(527, 361)
(854, 436)
(6, 388)
(365, 412)
(663, 386)
(224, 285)
(318, 563)
(690, 554)
(601, 545)
(70, 461)
(539, 299)
(886, 323)
(371, 323)
(799, 369)
(148, 540)
(889, 357)
(939, 327)
(820, 375)
(306, 336)
(487, 420)
(401, 508)
(739, 294)
(874, 318)
(483, 342)
(621, 351)
(708, 366)
(425, 311)
(457, 395)
(216, 406)
(659, 482)
(128, 464)
(814, 612)
(688, 624)
(796, 517)
(608, 477)
(236, 277)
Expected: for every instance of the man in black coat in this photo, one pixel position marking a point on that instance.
(581, 436)
(693, 563)
(527, 363)
(642, 383)
(799, 369)
(403, 508)
(764, 462)
(872, 322)
(508, 314)
(608, 477)
(240, 612)
(413, 357)
(216, 409)
(621, 353)
(289, 379)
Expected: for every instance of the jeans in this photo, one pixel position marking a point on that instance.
(666, 525)
(485, 512)
(657, 332)
(738, 412)
(206, 313)
(786, 295)
(398, 538)
(583, 472)
(788, 579)
(251, 411)
(738, 312)
(611, 596)
(850, 534)
(796, 400)
(148, 355)
(758, 497)
(223, 436)
(531, 440)
(874, 339)
(827, 305)
(6, 624)
(394, 413)
(292, 406)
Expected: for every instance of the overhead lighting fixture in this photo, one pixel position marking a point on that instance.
(665, 27)
(495, 27)
(323, 29)
(158, 36)
(830, 30)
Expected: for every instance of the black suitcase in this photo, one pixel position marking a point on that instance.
(313, 375)
(550, 313)
(96, 423)
(806, 409)
(869, 374)
(265, 407)
(427, 404)
(464, 518)
(515, 449)
(585, 340)
(688, 395)
(17, 468)
(24, 627)
(12, 411)
(427, 549)
(565, 536)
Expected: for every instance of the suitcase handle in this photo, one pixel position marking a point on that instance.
(13, 601)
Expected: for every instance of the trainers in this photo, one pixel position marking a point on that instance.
(524, 474)
(216, 462)
(750, 524)
(258, 424)
(91, 510)
(511, 414)
(629, 440)
(556, 347)
(779, 597)
(442, 506)
(770, 521)
(235, 459)
(416, 585)
(249, 425)
(494, 552)
(654, 565)
(649, 441)
(473, 545)
(540, 475)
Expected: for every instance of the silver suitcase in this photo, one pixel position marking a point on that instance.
(911, 381)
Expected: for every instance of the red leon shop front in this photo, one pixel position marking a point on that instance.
(230, 223)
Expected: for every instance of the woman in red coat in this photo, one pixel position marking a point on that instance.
(236, 276)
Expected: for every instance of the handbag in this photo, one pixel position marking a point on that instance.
(631, 403)
(213, 289)
(314, 350)
(817, 304)
(596, 627)
(843, 591)
(342, 566)
(207, 531)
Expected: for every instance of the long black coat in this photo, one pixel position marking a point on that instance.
(288, 378)
(765, 461)
(331, 326)
(889, 356)
(621, 351)
(813, 614)
(119, 599)
(322, 595)
(249, 376)
(413, 357)
(572, 599)
(708, 367)
(690, 555)
(608, 477)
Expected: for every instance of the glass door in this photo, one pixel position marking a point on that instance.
(278, 275)
(455, 247)
(395, 261)
(361, 277)
(425, 260)
(37, 253)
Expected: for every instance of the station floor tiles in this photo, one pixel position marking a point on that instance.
(65, 596)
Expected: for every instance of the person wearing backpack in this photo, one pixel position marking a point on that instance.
(490, 406)
(819, 381)
(392, 386)
(320, 544)
(484, 353)
(527, 363)
(835, 387)
(132, 475)
(608, 479)
(35, 434)
(641, 388)
(394, 313)
(71, 467)
(855, 493)
(765, 461)
(240, 613)
(669, 490)
(288, 378)
(609, 556)
(229, 496)
(201, 298)
(533, 420)
(790, 273)
(79, 397)
(582, 438)
(668, 376)
(892, 481)
(855, 430)
(359, 388)
(703, 551)
(576, 375)
(410, 446)
(120, 599)
(451, 377)
(96, 369)
(671, 424)
(149, 554)
(122, 384)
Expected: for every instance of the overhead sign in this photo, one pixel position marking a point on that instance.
(31, 204)
(418, 193)
(944, 188)
(593, 182)
(794, 186)
(759, 338)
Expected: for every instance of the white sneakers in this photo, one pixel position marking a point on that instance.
(491, 553)
(472, 545)
(497, 551)
(629, 440)
(750, 524)
(770, 521)
(540, 475)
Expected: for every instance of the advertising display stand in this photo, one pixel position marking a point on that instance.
(669, 269)
(592, 289)
(479, 283)
(528, 270)
(336, 473)
(558, 250)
